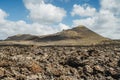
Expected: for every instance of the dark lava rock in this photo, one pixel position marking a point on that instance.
(119, 63)
(60, 63)
(74, 62)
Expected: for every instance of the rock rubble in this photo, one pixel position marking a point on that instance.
(60, 63)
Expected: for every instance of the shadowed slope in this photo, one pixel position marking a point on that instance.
(76, 36)
(77, 33)
(20, 37)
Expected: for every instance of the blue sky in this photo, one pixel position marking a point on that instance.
(39, 17)
(69, 4)
(17, 10)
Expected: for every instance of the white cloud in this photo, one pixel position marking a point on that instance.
(84, 10)
(44, 13)
(10, 28)
(86, 22)
(106, 21)
(40, 13)
(2, 15)
(63, 26)
(111, 5)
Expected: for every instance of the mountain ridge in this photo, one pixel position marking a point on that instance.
(77, 35)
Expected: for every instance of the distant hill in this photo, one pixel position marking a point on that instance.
(20, 37)
(79, 35)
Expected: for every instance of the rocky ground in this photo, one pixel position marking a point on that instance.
(60, 63)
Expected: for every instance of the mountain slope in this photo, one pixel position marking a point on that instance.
(20, 37)
(79, 35)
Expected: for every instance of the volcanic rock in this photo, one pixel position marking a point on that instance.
(73, 54)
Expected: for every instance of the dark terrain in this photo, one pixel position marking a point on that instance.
(74, 54)
(79, 35)
(60, 63)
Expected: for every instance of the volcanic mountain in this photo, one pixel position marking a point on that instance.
(21, 37)
(79, 35)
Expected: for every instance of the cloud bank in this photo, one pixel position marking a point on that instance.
(83, 10)
(46, 19)
(106, 21)
(44, 13)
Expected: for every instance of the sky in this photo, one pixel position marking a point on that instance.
(41, 17)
